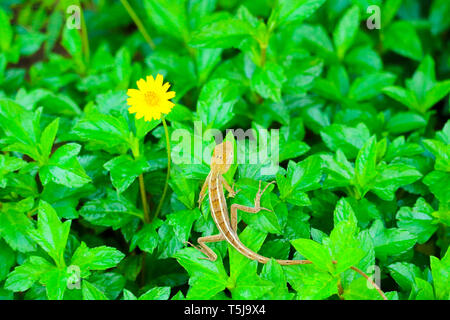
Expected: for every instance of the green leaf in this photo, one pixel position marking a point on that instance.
(365, 165)
(215, 103)
(392, 241)
(370, 85)
(437, 183)
(110, 283)
(6, 31)
(124, 170)
(418, 220)
(405, 122)
(183, 190)
(250, 286)
(423, 78)
(400, 148)
(272, 271)
(442, 153)
(301, 177)
(90, 292)
(344, 212)
(359, 290)
(7, 165)
(47, 138)
(169, 17)
(72, 42)
(404, 274)
(440, 269)
(339, 170)
(223, 31)
(268, 81)
(206, 278)
(114, 211)
(98, 258)
(401, 37)
(344, 246)
(55, 282)
(157, 293)
(146, 239)
(346, 30)
(348, 139)
(25, 275)
(128, 295)
(64, 167)
(51, 234)
(315, 252)
(253, 239)
(310, 283)
(15, 226)
(7, 259)
(182, 221)
(423, 289)
(440, 9)
(391, 177)
(21, 128)
(292, 12)
(103, 132)
(403, 96)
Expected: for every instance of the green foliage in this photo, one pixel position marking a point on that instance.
(362, 181)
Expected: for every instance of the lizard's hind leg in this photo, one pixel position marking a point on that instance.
(210, 254)
(235, 207)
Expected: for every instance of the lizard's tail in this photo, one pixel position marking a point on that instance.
(293, 262)
(263, 259)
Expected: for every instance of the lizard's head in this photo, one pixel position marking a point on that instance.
(222, 157)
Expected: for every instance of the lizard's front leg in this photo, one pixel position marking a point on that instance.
(231, 192)
(235, 207)
(211, 255)
(203, 191)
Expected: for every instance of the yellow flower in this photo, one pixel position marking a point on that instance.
(152, 98)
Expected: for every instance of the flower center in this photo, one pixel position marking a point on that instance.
(151, 98)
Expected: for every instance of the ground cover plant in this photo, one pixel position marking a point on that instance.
(92, 206)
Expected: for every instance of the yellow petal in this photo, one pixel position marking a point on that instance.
(134, 93)
(139, 115)
(165, 87)
(159, 80)
(142, 85)
(169, 95)
(150, 81)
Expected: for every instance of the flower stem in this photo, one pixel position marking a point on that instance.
(158, 209)
(138, 23)
(136, 154)
(144, 198)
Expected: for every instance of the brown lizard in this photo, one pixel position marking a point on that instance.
(220, 163)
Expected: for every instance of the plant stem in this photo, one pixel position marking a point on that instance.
(340, 290)
(263, 56)
(84, 39)
(166, 131)
(138, 23)
(144, 198)
(136, 154)
(371, 282)
(356, 270)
